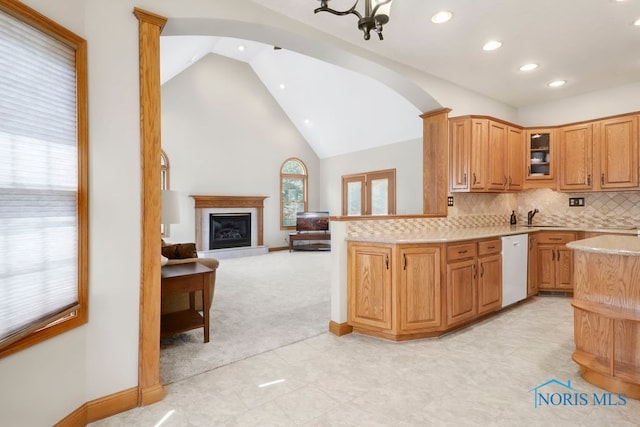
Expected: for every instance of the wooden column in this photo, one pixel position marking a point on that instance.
(150, 389)
(435, 170)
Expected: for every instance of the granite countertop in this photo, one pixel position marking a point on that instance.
(611, 245)
(445, 235)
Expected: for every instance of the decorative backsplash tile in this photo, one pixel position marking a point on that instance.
(617, 209)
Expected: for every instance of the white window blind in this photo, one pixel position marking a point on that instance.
(38, 180)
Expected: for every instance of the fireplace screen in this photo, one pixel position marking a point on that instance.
(229, 230)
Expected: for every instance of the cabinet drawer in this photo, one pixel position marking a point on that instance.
(556, 238)
(489, 247)
(461, 251)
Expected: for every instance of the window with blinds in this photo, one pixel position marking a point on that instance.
(43, 201)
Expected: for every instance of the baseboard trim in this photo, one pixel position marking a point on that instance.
(151, 395)
(278, 248)
(340, 329)
(101, 408)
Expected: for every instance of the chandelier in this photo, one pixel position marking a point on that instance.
(376, 14)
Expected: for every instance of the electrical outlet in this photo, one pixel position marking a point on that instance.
(576, 201)
(450, 201)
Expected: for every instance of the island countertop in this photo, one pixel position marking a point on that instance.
(609, 244)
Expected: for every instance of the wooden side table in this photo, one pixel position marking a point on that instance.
(182, 278)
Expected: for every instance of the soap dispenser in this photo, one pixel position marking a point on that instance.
(513, 220)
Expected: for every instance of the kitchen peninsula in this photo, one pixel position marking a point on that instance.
(607, 312)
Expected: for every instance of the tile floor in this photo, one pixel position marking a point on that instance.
(481, 375)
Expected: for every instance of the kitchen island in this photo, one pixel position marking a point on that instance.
(607, 312)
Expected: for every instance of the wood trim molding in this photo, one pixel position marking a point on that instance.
(209, 202)
(340, 329)
(101, 408)
(149, 386)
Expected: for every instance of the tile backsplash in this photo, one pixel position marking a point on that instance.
(618, 209)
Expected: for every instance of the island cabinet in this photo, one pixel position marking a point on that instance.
(600, 155)
(395, 291)
(555, 261)
(607, 312)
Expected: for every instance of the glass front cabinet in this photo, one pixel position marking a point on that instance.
(540, 171)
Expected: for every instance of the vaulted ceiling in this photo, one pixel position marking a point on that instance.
(590, 44)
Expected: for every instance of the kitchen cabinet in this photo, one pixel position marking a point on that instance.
(532, 266)
(474, 280)
(505, 157)
(576, 157)
(555, 261)
(540, 158)
(419, 288)
(395, 291)
(462, 302)
(467, 154)
(600, 155)
(617, 139)
(369, 286)
(489, 275)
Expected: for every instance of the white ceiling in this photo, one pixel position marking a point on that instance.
(592, 44)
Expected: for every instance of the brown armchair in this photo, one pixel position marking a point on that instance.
(183, 253)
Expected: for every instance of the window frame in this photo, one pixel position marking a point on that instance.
(304, 177)
(62, 323)
(366, 178)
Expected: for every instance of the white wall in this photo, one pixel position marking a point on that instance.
(405, 157)
(594, 105)
(226, 135)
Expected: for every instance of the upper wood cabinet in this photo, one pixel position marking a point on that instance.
(485, 155)
(600, 155)
(576, 157)
(617, 139)
(540, 158)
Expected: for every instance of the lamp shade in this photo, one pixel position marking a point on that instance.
(170, 207)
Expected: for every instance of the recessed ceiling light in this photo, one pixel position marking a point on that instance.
(529, 67)
(441, 17)
(307, 122)
(492, 45)
(637, 22)
(241, 48)
(282, 86)
(556, 83)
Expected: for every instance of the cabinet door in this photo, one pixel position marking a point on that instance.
(546, 266)
(576, 154)
(489, 283)
(515, 149)
(532, 267)
(618, 141)
(564, 268)
(369, 287)
(497, 156)
(420, 289)
(479, 140)
(540, 158)
(459, 154)
(461, 291)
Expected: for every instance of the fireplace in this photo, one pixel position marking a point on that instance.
(229, 230)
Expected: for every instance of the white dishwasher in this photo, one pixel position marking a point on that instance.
(514, 268)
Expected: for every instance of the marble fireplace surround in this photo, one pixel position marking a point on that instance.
(205, 205)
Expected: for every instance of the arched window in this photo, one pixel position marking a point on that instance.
(164, 170)
(293, 191)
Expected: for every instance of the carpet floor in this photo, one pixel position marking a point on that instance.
(260, 303)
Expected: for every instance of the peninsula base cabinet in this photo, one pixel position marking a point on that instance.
(409, 291)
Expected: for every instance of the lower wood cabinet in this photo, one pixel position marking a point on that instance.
(407, 291)
(555, 261)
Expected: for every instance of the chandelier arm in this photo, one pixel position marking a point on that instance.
(346, 12)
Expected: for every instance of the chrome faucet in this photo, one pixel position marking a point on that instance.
(530, 215)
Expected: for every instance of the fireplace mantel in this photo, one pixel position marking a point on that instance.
(212, 202)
